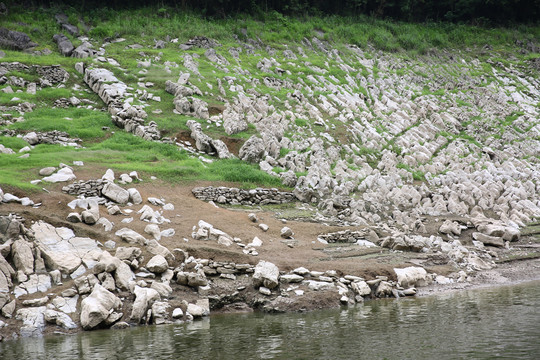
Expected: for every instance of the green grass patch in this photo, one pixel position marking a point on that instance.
(77, 122)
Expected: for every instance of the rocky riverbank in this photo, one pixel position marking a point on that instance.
(395, 172)
(61, 274)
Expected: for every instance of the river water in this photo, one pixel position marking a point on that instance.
(502, 322)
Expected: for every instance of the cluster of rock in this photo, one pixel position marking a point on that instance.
(87, 188)
(10, 198)
(49, 74)
(350, 236)
(206, 144)
(51, 137)
(114, 93)
(45, 257)
(348, 288)
(235, 196)
(403, 132)
(207, 232)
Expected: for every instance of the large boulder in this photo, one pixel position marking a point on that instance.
(266, 274)
(411, 276)
(131, 236)
(15, 40)
(252, 150)
(157, 264)
(144, 298)
(64, 44)
(97, 307)
(23, 257)
(62, 175)
(123, 276)
(115, 193)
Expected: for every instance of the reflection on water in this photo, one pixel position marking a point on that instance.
(480, 324)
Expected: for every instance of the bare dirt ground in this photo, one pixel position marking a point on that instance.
(304, 250)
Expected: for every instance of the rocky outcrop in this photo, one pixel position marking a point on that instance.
(64, 44)
(253, 150)
(113, 92)
(266, 274)
(15, 40)
(61, 249)
(205, 143)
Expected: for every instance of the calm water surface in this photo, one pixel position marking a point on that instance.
(480, 324)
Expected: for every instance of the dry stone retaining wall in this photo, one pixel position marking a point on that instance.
(87, 188)
(235, 196)
(345, 236)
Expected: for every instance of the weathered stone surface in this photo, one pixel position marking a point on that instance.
(200, 309)
(47, 171)
(62, 175)
(160, 312)
(131, 236)
(60, 319)
(96, 308)
(252, 150)
(155, 248)
(411, 276)
(115, 193)
(123, 276)
(61, 249)
(128, 253)
(85, 284)
(266, 274)
(23, 257)
(361, 288)
(64, 44)
(15, 40)
(144, 298)
(286, 233)
(134, 196)
(291, 278)
(157, 264)
(163, 289)
(488, 240)
(33, 321)
(153, 229)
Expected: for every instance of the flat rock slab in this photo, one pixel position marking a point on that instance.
(62, 250)
(115, 193)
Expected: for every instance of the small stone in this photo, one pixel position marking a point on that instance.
(265, 291)
(252, 217)
(47, 171)
(286, 233)
(263, 227)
